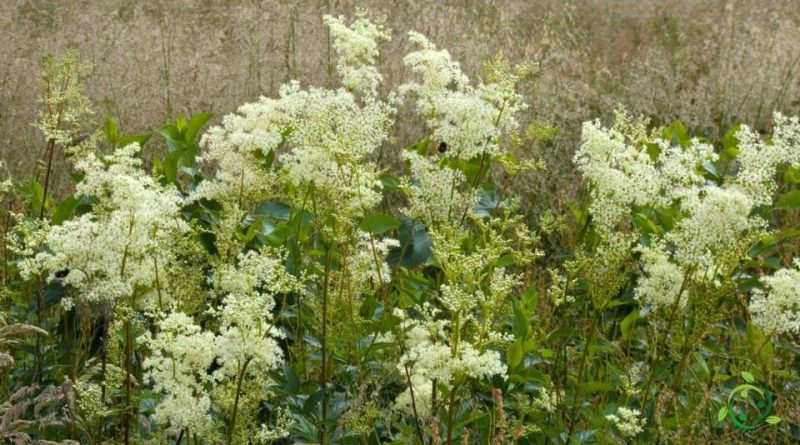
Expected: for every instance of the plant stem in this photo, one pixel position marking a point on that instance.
(324, 374)
(450, 415)
(581, 368)
(235, 405)
(414, 407)
(128, 365)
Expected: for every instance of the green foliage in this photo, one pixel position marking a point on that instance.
(293, 288)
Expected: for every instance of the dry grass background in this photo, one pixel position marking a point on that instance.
(709, 63)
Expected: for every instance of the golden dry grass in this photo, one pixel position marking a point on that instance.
(709, 63)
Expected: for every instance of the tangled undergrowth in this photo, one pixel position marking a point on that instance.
(269, 280)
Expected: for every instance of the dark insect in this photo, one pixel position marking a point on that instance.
(62, 273)
(442, 147)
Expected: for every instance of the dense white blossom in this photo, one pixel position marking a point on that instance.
(776, 310)
(621, 175)
(246, 332)
(662, 281)
(357, 47)
(470, 120)
(438, 194)
(115, 250)
(716, 220)
(548, 399)
(759, 159)
(628, 421)
(177, 367)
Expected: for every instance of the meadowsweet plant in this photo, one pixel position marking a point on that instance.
(293, 275)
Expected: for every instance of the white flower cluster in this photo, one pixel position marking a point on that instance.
(321, 139)
(246, 334)
(777, 311)
(429, 361)
(332, 138)
(662, 281)
(237, 149)
(438, 194)
(758, 159)
(628, 421)
(711, 221)
(368, 268)
(470, 120)
(178, 368)
(246, 345)
(25, 240)
(283, 427)
(621, 175)
(357, 47)
(548, 399)
(114, 251)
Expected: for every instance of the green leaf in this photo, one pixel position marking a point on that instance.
(194, 125)
(389, 182)
(722, 414)
(111, 131)
(596, 387)
(792, 175)
(415, 247)
(421, 146)
(140, 139)
(488, 200)
(773, 420)
(379, 223)
(274, 209)
(677, 134)
(514, 354)
(520, 324)
(730, 143)
(789, 201)
(711, 169)
(628, 323)
(65, 210)
(748, 377)
(531, 298)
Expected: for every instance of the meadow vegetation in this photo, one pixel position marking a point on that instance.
(372, 257)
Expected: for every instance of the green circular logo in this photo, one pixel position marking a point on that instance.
(749, 406)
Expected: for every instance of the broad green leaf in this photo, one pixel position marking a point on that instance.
(415, 247)
(677, 134)
(488, 200)
(195, 124)
(379, 223)
(140, 139)
(389, 182)
(520, 323)
(274, 209)
(789, 201)
(514, 354)
(65, 210)
(748, 377)
(792, 175)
